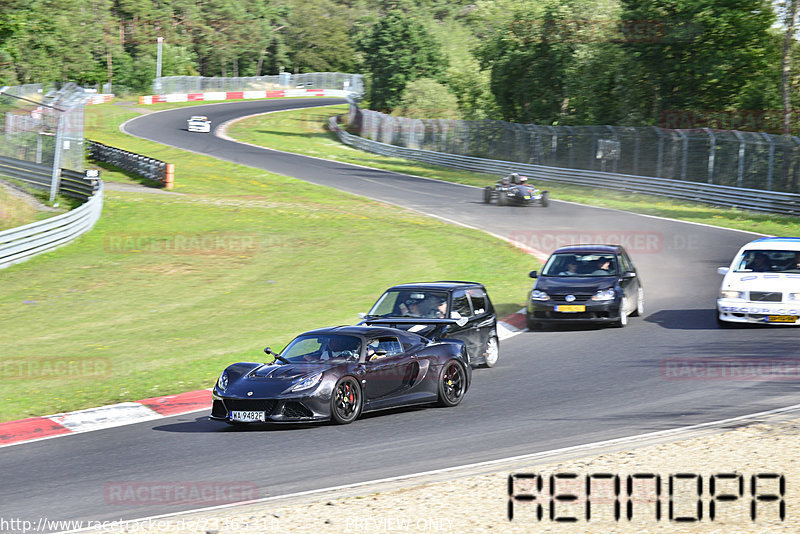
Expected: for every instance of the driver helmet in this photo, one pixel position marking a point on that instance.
(523, 179)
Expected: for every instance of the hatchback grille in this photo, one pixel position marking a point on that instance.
(248, 405)
(766, 296)
(578, 298)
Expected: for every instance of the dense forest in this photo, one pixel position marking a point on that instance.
(621, 62)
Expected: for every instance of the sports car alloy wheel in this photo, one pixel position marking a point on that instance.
(452, 383)
(492, 352)
(545, 199)
(345, 401)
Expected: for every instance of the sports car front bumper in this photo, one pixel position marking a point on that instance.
(285, 409)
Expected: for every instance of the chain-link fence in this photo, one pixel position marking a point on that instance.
(314, 80)
(43, 127)
(724, 157)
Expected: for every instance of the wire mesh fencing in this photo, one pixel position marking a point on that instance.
(43, 127)
(314, 80)
(753, 160)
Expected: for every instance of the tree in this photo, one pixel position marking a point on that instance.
(426, 98)
(706, 54)
(317, 37)
(397, 51)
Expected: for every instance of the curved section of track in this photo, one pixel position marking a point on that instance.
(551, 389)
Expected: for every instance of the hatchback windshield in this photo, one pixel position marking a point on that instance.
(773, 261)
(410, 303)
(322, 348)
(590, 264)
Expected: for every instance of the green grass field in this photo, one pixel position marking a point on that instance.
(167, 290)
(304, 132)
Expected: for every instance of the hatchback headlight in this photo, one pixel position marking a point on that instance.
(730, 294)
(309, 382)
(222, 382)
(604, 294)
(539, 295)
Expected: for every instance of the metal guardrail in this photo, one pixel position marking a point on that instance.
(22, 243)
(751, 199)
(149, 168)
(72, 183)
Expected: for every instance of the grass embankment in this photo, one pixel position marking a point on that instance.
(304, 132)
(17, 210)
(168, 289)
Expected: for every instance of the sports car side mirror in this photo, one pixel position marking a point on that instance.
(361, 315)
(533, 274)
(268, 350)
(723, 270)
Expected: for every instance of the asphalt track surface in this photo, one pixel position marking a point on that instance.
(554, 388)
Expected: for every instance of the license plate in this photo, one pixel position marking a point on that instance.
(248, 417)
(781, 318)
(571, 308)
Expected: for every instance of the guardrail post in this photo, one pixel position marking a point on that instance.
(169, 177)
(740, 170)
(771, 159)
(712, 149)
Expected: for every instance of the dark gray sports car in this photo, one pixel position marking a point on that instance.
(339, 373)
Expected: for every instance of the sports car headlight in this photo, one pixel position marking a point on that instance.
(604, 294)
(539, 295)
(308, 382)
(729, 294)
(222, 383)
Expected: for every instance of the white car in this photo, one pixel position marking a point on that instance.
(199, 123)
(762, 284)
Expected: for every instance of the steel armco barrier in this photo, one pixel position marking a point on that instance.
(22, 243)
(751, 199)
(143, 166)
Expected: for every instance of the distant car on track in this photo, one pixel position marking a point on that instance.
(585, 283)
(341, 372)
(199, 123)
(514, 189)
(442, 310)
(762, 284)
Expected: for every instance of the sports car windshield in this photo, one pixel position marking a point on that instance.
(772, 261)
(590, 264)
(411, 303)
(322, 348)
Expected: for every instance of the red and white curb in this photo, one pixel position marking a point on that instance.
(125, 413)
(240, 95)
